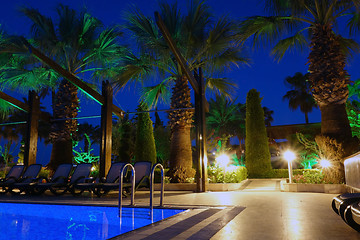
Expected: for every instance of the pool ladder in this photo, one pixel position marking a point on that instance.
(152, 174)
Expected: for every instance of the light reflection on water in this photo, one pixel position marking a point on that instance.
(39, 221)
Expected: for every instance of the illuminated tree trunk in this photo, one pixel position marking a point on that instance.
(180, 124)
(65, 107)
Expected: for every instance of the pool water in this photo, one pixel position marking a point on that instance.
(40, 221)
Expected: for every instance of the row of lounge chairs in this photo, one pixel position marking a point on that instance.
(18, 180)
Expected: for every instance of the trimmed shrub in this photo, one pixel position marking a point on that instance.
(257, 154)
(145, 144)
(235, 175)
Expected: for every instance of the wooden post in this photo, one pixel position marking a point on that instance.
(32, 129)
(201, 164)
(199, 174)
(202, 145)
(106, 129)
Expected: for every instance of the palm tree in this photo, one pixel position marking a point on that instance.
(300, 96)
(79, 43)
(268, 116)
(224, 117)
(298, 20)
(205, 44)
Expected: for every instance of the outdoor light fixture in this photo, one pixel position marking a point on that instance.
(223, 160)
(325, 163)
(289, 156)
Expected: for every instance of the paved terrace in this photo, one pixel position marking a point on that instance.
(258, 211)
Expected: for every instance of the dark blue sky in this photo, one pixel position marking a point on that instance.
(264, 74)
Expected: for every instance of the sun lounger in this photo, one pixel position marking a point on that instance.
(111, 182)
(13, 175)
(61, 176)
(142, 176)
(80, 175)
(29, 176)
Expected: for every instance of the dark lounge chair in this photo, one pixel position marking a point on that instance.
(142, 175)
(110, 180)
(13, 175)
(142, 179)
(80, 175)
(29, 176)
(60, 176)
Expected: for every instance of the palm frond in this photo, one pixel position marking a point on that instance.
(158, 93)
(221, 85)
(298, 41)
(264, 30)
(349, 47)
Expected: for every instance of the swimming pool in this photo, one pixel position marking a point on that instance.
(40, 221)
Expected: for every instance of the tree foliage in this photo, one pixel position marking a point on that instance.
(145, 150)
(257, 154)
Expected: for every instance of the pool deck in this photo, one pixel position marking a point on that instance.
(259, 211)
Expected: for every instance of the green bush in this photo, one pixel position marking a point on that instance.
(44, 173)
(157, 177)
(257, 158)
(284, 173)
(145, 150)
(2, 173)
(235, 175)
(309, 177)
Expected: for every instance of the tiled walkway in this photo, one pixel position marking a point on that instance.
(258, 211)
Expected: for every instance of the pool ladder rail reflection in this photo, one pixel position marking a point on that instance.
(152, 174)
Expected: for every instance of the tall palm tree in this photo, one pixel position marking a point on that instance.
(300, 96)
(310, 23)
(205, 44)
(79, 43)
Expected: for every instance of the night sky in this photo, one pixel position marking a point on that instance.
(264, 73)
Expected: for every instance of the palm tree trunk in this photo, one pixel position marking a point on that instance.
(334, 121)
(329, 81)
(180, 123)
(65, 106)
(306, 118)
(181, 158)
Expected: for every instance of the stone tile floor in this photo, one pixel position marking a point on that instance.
(259, 211)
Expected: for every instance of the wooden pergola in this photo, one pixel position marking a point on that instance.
(33, 110)
(107, 108)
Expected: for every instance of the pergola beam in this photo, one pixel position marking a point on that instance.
(180, 59)
(15, 102)
(73, 79)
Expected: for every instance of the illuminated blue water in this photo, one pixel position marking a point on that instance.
(39, 221)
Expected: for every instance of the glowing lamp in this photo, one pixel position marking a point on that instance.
(223, 160)
(325, 163)
(289, 156)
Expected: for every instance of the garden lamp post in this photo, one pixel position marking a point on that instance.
(223, 160)
(289, 156)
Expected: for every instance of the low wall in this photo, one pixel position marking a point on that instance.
(215, 187)
(352, 171)
(317, 188)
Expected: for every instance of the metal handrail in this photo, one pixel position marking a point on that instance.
(121, 184)
(152, 185)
